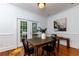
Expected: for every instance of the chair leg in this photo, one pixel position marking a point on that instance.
(54, 54)
(48, 53)
(27, 54)
(42, 52)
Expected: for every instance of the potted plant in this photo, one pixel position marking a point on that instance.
(43, 31)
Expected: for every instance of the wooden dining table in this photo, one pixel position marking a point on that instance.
(38, 42)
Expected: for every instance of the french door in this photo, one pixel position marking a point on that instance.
(26, 27)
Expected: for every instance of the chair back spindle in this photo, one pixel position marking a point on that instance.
(53, 43)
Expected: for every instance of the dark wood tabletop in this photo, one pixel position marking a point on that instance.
(39, 41)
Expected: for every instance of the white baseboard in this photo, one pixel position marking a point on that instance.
(7, 48)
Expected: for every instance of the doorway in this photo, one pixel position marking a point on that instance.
(26, 27)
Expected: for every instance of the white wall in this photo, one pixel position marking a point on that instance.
(8, 28)
(8, 22)
(72, 32)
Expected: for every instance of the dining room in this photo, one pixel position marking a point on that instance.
(39, 29)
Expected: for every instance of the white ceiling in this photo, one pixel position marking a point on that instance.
(50, 9)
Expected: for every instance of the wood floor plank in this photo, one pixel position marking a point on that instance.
(63, 51)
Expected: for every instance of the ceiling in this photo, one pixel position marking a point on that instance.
(50, 9)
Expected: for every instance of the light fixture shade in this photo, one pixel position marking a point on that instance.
(41, 5)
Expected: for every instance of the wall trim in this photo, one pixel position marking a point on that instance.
(8, 48)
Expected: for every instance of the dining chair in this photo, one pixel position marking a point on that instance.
(50, 48)
(27, 50)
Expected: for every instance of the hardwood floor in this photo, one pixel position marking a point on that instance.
(63, 51)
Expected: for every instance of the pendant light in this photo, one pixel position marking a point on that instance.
(41, 5)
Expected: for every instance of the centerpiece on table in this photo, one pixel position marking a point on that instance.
(43, 31)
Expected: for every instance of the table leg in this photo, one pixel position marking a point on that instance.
(58, 45)
(36, 51)
(68, 43)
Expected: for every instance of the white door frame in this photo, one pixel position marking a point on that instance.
(19, 43)
(29, 29)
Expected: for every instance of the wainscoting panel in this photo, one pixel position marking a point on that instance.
(7, 42)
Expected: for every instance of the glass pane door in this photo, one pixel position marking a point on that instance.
(34, 27)
(34, 30)
(23, 29)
